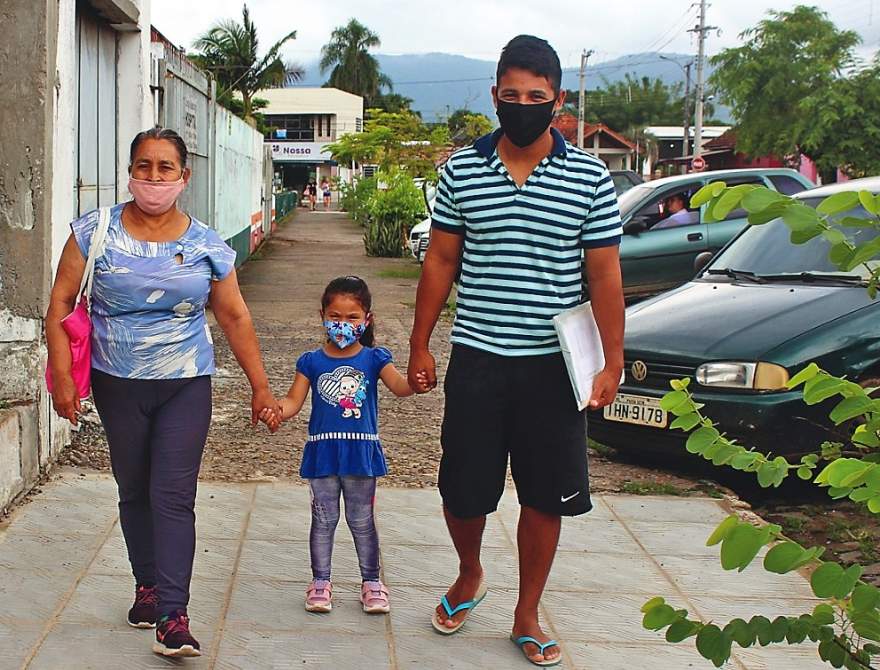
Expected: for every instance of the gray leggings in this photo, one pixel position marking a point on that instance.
(359, 494)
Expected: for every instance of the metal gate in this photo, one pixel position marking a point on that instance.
(96, 146)
(187, 108)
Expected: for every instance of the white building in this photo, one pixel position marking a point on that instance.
(304, 122)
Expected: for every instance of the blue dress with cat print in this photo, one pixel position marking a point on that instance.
(149, 298)
(344, 425)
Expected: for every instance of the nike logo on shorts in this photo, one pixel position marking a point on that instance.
(565, 499)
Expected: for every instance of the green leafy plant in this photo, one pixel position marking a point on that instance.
(846, 627)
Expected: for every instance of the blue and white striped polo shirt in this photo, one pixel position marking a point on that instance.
(523, 247)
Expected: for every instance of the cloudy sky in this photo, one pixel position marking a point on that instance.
(479, 28)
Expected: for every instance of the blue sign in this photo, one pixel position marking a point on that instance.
(281, 133)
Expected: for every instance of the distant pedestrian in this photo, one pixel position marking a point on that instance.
(517, 214)
(152, 359)
(343, 454)
(326, 192)
(313, 194)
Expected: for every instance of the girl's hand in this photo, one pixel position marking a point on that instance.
(271, 418)
(422, 384)
(263, 399)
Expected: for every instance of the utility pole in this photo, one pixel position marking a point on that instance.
(685, 145)
(702, 29)
(582, 97)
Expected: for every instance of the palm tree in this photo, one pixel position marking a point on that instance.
(229, 51)
(354, 69)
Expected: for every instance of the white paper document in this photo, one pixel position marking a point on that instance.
(582, 349)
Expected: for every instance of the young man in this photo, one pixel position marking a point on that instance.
(517, 213)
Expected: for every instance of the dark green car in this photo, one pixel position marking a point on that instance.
(655, 259)
(762, 310)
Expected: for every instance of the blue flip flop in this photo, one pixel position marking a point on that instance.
(467, 605)
(525, 639)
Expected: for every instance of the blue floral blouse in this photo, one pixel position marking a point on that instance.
(149, 298)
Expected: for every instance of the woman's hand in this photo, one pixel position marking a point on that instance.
(262, 399)
(65, 398)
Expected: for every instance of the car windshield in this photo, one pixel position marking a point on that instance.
(768, 251)
(633, 197)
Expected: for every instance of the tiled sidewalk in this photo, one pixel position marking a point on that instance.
(65, 585)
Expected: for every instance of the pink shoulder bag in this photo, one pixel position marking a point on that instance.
(78, 324)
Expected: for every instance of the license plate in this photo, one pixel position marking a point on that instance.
(636, 409)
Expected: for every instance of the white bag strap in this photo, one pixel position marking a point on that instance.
(95, 247)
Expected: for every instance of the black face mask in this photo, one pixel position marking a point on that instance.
(523, 124)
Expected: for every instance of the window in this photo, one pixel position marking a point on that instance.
(358, 125)
(786, 185)
(670, 209)
(740, 213)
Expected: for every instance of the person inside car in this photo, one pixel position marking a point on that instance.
(678, 214)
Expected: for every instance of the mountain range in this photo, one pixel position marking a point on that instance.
(440, 83)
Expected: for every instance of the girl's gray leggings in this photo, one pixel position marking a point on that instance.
(359, 494)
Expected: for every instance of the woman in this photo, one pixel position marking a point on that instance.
(326, 193)
(152, 360)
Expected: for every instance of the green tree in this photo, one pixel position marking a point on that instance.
(395, 141)
(352, 67)
(392, 102)
(466, 126)
(787, 86)
(845, 625)
(230, 52)
(631, 103)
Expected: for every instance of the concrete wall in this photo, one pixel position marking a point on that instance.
(27, 70)
(238, 188)
(38, 167)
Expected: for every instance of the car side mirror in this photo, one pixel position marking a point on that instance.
(702, 260)
(634, 227)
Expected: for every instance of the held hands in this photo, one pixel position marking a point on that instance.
(263, 402)
(422, 371)
(272, 419)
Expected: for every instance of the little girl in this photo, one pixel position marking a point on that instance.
(343, 453)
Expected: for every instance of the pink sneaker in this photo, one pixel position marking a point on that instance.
(319, 596)
(374, 596)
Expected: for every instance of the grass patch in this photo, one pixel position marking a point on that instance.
(601, 449)
(650, 488)
(407, 272)
(844, 530)
(793, 524)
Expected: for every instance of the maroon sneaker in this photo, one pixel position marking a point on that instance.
(173, 637)
(143, 613)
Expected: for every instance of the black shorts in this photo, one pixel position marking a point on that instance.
(518, 406)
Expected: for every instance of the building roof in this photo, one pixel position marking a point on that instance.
(567, 125)
(725, 141)
(677, 132)
(303, 100)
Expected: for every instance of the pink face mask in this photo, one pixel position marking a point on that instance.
(155, 197)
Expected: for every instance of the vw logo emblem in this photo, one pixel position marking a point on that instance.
(640, 371)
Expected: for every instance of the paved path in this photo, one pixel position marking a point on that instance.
(65, 585)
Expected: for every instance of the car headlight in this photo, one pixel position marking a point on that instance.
(756, 376)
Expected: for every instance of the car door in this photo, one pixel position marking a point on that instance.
(721, 232)
(655, 260)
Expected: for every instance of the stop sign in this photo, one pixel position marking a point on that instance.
(699, 163)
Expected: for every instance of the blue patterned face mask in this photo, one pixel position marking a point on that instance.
(344, 334)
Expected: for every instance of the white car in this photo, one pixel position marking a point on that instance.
(419, 237)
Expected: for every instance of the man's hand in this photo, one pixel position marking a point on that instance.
(262, 399)
(65, 398)
(422, 371)
(604, 388)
